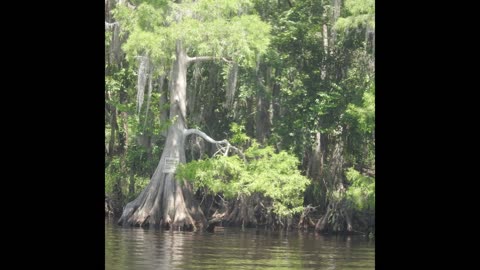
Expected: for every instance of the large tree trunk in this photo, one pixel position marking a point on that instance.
(337, 217)
(166, 202)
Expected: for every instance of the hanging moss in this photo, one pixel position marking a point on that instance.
(143, 74)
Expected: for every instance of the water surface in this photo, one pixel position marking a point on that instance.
(232, 248)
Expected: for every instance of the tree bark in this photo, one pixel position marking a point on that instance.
(336, 209)
(322, 223)
(262, 119)
(316, 162)
(276, 97)
(305, 221)
(250, 125)
(243, 211)
(113, 127)
(166, 201)
(163, 104)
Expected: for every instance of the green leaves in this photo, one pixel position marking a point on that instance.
(274, 175)
(239, 136)
(207, 10)
(361, 13)
(364, 114)
(215, 174)
(149, 18)
(207, 27)
(362, 189)
(154, 3)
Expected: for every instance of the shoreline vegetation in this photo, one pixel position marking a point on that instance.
(245, 113)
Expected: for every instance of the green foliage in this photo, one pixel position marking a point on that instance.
(138, 164)
(320, 89)
(362, 190)
(140, 183)
(137, 167)
(208, 10)
(361, 13)
(365, 113)
(206, 27)
(154, 3)
(115, 175)
(274, 175)
(238, 134)
(111, 175)
(148, 18)
(126, 16)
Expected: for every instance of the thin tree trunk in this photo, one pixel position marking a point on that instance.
(348, 219)
(163, 105)
(113, 128)
(322, 223)
(323, 71)
(262, 122)
(276, 97)
(131, 186)
(250, 125)
(335, 15)
(316, 162)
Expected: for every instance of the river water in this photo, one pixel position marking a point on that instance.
(233, 248)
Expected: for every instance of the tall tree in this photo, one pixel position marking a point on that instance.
(170, 36)
(115, 93)
(325, 50)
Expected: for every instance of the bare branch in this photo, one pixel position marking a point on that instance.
(226, 151)
(130, 6)
(220, 149)
(127, 3)
(201, 59)
(228, 61)
(227, 145)
(203, 135)
(207, 58)
(236, 150)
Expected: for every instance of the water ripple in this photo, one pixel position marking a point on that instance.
(136, 248)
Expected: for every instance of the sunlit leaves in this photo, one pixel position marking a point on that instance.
(362, 190)
(207, 28)
(206, 10)
(149, 18)
(126, 17)
(275, 175)
(154, 3)
(239, 136)
(365, 113)
(361, 13)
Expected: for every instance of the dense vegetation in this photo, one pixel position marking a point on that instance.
(286, 87)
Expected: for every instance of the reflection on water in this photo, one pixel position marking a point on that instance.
(232, 248)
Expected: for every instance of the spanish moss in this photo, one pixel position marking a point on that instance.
(143, 69)
(149, 96)
(231, 85)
